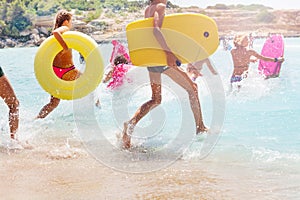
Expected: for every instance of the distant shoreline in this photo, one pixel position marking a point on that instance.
(106, 41)
(229, 22)
(124, 40)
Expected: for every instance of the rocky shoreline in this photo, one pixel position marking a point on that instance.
(105, 28)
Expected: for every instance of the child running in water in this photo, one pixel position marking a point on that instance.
(242, 56)
(119, 65)
(117, 73)
(8, 95)
(156, 9)
(63, 65)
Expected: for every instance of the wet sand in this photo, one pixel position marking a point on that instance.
(56, 170)
(40, 174)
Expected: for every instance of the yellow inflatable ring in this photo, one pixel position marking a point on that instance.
(86, 83)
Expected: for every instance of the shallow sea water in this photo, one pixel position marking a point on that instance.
(256, 154)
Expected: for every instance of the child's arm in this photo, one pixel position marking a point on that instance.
(157, 23)
(57, 33)
(108, 76)
(257, 55)
(210, 67)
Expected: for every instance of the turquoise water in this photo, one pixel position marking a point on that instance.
(259, 143)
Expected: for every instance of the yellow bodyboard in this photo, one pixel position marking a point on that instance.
(191, 37)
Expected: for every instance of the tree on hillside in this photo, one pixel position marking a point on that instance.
(14, 18)
(266, 17)
(218, 7)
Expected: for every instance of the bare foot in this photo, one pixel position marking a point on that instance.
(201, 129)
(14, 145)
(127, 131)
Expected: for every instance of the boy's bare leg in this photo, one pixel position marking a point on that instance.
(155, 80)
(182, 79)
(48, 108)
(9, 97)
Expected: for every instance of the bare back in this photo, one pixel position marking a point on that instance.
(241, 56)
(241, 59)
(64, 58)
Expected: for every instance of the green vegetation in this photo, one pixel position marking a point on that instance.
(219, 7)
(265, 17)
(13, 18)
(16, 15)
(252, 7)
(92, 15)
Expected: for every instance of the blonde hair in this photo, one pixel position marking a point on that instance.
(60, 17)
(241, 40)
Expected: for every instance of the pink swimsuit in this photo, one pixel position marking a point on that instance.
(118, 75)
(120, 70)
(61, 71)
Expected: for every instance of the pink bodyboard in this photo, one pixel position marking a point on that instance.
(274, 48)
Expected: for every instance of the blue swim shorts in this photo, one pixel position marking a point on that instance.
(235, 78)
(158, 69)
